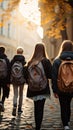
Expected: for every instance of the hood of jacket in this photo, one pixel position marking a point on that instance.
(66, 55)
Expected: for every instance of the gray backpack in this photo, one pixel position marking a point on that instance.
(17, 76)
(3, 68)
(37, 80)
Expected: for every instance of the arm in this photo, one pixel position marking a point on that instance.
(8, 72)
(54, 77)
(48, 68)
(20, 58)
(25, 72)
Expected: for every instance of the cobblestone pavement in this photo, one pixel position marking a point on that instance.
(51, 119)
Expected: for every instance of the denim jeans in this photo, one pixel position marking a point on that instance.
(18, 95)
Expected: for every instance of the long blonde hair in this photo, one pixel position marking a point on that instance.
(67, 45)
(39, 53)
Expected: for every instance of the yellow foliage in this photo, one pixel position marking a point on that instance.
(1, 24)
(12, 5)
(54, 12)
(1, 0)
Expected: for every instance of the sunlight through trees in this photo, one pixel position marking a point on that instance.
(53, 12)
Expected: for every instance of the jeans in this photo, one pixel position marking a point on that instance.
(65, 106)
(18, 91)
(4, 92)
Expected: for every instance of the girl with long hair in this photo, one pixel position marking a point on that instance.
(65, 53)
(39, 97)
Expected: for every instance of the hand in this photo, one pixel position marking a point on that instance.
(56, 95)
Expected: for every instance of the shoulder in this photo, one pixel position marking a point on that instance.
(18, 57)
(46, 61)
(57, 61)
(47, 64)
(4, 56)
(56, 64)
(14, 57)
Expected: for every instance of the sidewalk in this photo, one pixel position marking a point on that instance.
(51, 119)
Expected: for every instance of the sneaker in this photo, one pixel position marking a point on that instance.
(14, 111)
(66, 128)
(19, 111)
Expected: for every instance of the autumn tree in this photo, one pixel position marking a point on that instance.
(5, 14)
(54, 14)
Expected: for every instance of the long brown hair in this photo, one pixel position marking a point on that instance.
(39, 53)
(67, 45)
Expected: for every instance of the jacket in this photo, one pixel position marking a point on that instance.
(56, 64)
(20, 58)
(7, 79)
(48, 69)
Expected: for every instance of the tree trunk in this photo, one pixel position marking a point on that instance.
(64, 34)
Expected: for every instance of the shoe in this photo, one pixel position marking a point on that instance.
(66, 128)
(3, 109)
(14, 111)
(69, 123)
(0, 107)
(19, 111)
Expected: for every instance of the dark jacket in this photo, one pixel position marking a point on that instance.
(48, 69)
(20, 58)
(7, 79)
(56, 64)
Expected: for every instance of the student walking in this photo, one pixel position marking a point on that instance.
(4, 78)
(62, 87)
(18, 80)
(39, 71)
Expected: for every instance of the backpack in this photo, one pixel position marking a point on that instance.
(65, 76)
(37, 80)
(3, 68)
(17, 76)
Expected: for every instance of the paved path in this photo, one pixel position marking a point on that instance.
(51, 120)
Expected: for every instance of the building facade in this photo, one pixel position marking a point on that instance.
(17, 31)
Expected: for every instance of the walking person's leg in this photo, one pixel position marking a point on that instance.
(21, 87)
(15, 96)
(69, 108)
(5, 93)
(38, 112)
(3, 98)
(0, 93)
(65, 107)
(0, 99)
